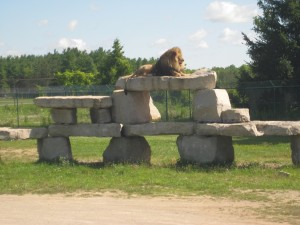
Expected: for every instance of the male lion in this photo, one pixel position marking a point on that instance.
(171, 63)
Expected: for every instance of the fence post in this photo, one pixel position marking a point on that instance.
(167, 115)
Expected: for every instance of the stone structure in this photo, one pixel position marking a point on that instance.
(128, 118)
(209, 104)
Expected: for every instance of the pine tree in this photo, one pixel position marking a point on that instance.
(275, 52)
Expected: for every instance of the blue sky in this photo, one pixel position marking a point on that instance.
(208, 32)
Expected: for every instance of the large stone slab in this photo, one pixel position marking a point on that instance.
(7, 133)
(86, 130)
(74, 102)
(133, 107)
(196, 81)
(159, 128)
(208, 105)
(235, 129)
(278, 128)
(206, 150)
(127, 150)
(54, 148)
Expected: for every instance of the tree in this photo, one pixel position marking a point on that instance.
(275, 52)
(116, 65)
(75, 78)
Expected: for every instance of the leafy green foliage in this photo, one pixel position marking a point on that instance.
(275, 52)
(31, 71)
(73, 78)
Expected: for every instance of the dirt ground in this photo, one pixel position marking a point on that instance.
(110, 209)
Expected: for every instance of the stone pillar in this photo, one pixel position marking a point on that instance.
(206, 149)
(209, 104)
(127, 150)
(295, 146)
(100, 115)
(64, 116)
(134, 108)
(54, 148)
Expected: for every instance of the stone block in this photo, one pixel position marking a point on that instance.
(54, 148)
(235, 116)
(278, 128)
(133, 108)
(295, 147)
(206, 149)
(195, 81)
(209, 104)
(160, 128)
(7, 133)
(86, 130)
(74, 102)
(154, 113)
(100, 115)
(127, 150)
(232, 129)
(64, 116)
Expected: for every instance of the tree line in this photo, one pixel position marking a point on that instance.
(71, 67)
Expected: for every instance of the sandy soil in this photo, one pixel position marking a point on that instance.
(112, 210)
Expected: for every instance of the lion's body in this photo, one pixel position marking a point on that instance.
(169, 64)
(143, 70)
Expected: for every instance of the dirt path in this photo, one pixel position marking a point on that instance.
(112, 210)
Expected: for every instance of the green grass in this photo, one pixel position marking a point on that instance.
(258, 166)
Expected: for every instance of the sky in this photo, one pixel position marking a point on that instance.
(209, 33)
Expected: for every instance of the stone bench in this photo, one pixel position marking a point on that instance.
(64, 108)
(215, 138)
(127, 116)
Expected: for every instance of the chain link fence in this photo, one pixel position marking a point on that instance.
(267, 101)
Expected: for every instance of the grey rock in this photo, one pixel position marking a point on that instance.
(127, 150)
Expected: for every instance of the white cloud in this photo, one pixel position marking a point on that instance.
(160, 41)
(1, 44)
(219, 11)
(231, 36)
(71, 43)
(73, 24)
(202, 44)
(43, 22)
(198, 37)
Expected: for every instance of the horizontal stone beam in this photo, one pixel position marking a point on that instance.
(254, 128)
(74, 102)
(278, 128)
(154, 83)
(222, 129)
(7, 133)
(86, 130)
(159, 128)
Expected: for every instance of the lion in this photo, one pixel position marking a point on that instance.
(171, 63)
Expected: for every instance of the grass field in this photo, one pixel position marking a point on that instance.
(261, 164)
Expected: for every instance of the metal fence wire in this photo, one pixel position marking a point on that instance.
(272, 100)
